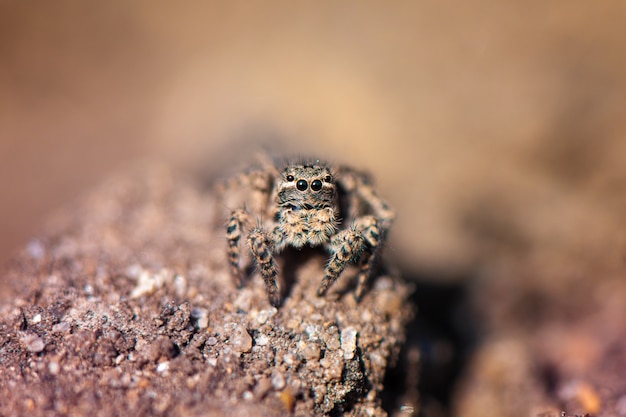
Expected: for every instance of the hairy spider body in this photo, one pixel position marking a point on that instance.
(301, 206)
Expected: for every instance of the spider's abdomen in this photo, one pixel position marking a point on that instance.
(307, 226)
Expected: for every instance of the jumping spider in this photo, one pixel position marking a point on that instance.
(309, 204)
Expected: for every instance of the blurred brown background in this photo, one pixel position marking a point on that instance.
(489, 125)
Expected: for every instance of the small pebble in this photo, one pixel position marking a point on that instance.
(62, 327)
(163, 366)
(262, 316)
(148, 283)
(36, 319)
(203, 322)
(33, 343)
(180, 285)
(313, 331)
(288, 359)
(53, 367)
(241, 340)
(348, 342)
(331, 338)
(278, 381)
(202, 317)
(309, 351)
(262, 340)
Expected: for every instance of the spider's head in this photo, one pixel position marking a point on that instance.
(308, 186)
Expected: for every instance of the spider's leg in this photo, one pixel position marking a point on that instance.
(238, 219)
(345, 246)
(261, 247)
(373, 226)
(359, 187)
(369, 228)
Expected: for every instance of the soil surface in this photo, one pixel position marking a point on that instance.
(126, 307)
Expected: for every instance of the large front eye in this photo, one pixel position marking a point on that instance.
(301, 185)
(316, 185)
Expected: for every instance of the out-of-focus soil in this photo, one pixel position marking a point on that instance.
(127, 308)
(496, 130)
(553, 336)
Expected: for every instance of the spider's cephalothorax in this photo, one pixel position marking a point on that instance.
(300, 207)
(306, 206)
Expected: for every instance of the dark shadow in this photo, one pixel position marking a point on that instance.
(440, 340)
(290, 260)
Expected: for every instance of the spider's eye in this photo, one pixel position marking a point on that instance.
(316, 185)
(301, 185)
(290, 178)
(328, 178)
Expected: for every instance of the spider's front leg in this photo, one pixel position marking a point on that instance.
(234, 228)
(370, 229)
(361, 242)
(262, 248)
(345, 247)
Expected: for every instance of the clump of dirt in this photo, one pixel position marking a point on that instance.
(126, 307)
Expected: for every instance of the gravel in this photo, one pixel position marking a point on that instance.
(126, 307)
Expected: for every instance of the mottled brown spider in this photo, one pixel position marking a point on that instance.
(307, 205)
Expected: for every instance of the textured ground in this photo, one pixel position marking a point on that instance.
(495, 129)
(126, 307)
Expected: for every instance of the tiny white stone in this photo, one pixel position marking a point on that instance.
(36, 319)
(61, 327)
(33, 343)
(180, 285)
(148, 283)
(348, 342)
(53, 367)
(288, 359)
(262, 316)
(262, 340)
(163, 366)
(313, 331)
(278, 381)
(203, 322)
